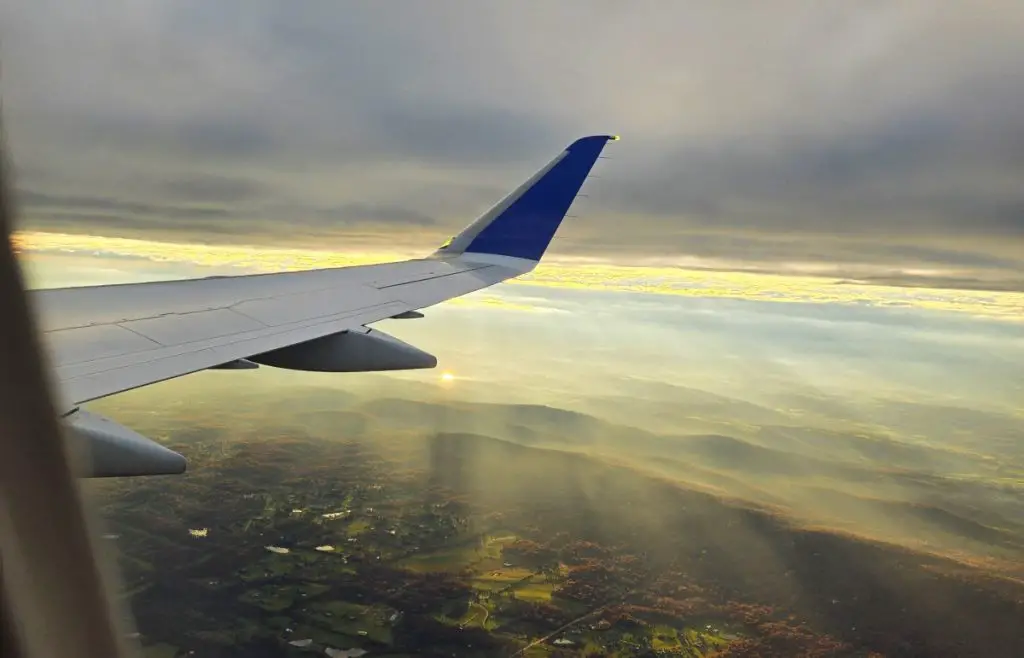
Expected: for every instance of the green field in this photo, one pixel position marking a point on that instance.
(354, 620)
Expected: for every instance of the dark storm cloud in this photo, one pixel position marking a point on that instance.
(938, 255)
(78, 213)
(231, 136)
(137, 226)
(224, 136)
(464, 136)
(213, 188)
(951, 283)
(361, 212)
(875, 132)
(97, 206)
(945, 173)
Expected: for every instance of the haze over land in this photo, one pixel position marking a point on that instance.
(779, 529)
(867, 449)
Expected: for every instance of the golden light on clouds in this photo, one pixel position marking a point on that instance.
(773, 288)
(259, 259)
(488, 299)
(585, 275)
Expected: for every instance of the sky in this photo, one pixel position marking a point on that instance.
(807, 194)
(878, 141)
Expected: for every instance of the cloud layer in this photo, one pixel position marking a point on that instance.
(60, 254)
(878, 137)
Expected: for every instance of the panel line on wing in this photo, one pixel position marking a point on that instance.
(435, 278)
(177, 329)
(140, 335)
(311, 305)
(105, 341)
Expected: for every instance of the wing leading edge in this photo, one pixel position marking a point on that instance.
(104, 340)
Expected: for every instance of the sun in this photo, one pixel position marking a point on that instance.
(447, 377)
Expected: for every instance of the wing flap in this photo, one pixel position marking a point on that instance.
(97, 342)
(310, 305)
(420, 294)
(417, 270)
(180, 329)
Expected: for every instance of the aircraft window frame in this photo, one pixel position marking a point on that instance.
(55, 585)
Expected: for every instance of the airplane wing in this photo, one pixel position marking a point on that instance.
(104, 340)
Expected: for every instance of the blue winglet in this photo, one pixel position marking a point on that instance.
(523, 224)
